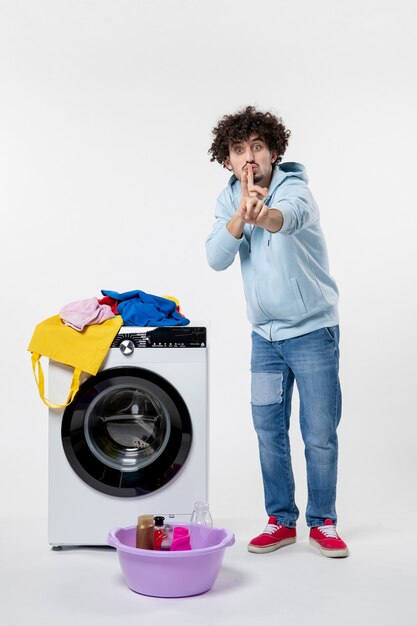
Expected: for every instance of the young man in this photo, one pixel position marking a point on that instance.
(268, 215)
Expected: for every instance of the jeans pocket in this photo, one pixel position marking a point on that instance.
(330, 331)
(266, 388)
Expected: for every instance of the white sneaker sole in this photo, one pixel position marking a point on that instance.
(330, 553)
(272, 547)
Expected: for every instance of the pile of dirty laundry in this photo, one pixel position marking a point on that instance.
(136, 308)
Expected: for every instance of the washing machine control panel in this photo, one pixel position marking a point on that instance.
(178, 337)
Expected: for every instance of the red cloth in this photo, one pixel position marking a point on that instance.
(111, 302)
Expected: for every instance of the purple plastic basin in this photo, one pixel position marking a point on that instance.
(172, 574)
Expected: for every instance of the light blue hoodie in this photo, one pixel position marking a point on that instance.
(288, 288)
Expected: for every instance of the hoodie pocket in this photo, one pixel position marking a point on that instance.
(298, 296)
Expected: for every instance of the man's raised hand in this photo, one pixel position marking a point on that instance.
(252, 208)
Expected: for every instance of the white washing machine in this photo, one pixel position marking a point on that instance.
(134, 440)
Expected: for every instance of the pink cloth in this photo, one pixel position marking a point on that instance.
(85, 312)
(181, 539)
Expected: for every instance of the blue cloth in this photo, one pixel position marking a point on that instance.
(313, 362)
(138, 308)
(289, 290)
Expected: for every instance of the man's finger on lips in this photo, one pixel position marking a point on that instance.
(250, 175)
(244, 184)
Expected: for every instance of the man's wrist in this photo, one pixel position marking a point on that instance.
(235, 226)
(275, 221)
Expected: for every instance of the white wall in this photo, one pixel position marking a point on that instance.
(105, 119)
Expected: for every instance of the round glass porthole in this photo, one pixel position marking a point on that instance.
(127, 432)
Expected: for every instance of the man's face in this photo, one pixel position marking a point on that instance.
(253, 153)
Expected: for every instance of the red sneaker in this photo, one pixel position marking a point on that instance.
(273, 537)
(326, 539)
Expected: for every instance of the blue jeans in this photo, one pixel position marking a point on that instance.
(312, 360)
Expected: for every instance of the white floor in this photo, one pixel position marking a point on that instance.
(377, 584)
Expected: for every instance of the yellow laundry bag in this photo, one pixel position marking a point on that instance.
(84, 351)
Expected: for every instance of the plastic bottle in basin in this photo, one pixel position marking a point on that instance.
(201, 514)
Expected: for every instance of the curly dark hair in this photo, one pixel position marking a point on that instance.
(241, 125)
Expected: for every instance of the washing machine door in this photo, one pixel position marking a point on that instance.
(127, 433)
